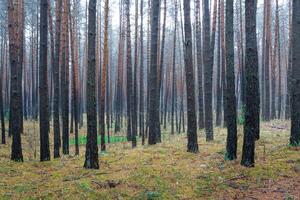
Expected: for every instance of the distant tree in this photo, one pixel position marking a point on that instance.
(2, 57)
(141, 108)
(91, 154)
(190, 87)
(129, 72)
(199, 65)
(295, 93)
(103, 77)
(277, 32)
(289, 67)
(251, 127)
(218, 81)
(134, 93)
(231, 145)
(74, 55)
(174, 71)
(268, 39)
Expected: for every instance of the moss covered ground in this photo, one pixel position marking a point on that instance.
(163, 171)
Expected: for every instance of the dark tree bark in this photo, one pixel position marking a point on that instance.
(15, 129)
(251, 127)
(153, 87)
(190, 87)
(43, 83)
(207, 72)
(129, 73)
(3, 49)
(91, 154)
(231, 143)
(65, 78)
(56, 100)
(295, 93)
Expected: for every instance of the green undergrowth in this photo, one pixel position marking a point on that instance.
(113, 139)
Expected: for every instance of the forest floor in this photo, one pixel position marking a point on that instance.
(163, 171)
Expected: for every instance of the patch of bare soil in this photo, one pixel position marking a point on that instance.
(286, 188)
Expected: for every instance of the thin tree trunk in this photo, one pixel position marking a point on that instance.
(192, 145)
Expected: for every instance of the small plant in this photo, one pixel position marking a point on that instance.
(241, 116)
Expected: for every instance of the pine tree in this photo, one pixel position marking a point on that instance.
(295, 93)
(251, 127)
(43, 83)
(91, 154)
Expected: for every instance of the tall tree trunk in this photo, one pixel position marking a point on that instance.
(192, 145)
(141, 114)
(15, 129)
(223, 62)
(218, 83)
(295, 93)
(279, 62)
(56, 100)
(3, 41)
(207, 60)
(91, 154)
(43, 83)
(174, 72)
(74, 54)
(103, 77)
(64, 78)
(134, 94)
(289, 67)
(129, 73)
(199, 65)
(231, 143)
(153, 87)
(267, 60)
(251, 127)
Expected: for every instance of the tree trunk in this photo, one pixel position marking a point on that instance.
(267, 60)
(91, 154)
(15, 129)
(56, 100)
(251, 127)
(231, 143)
(153, 87)
(43, 83)
(103, 77)
(190, 87)
(207, 60)
(141, 114)
(295, 93)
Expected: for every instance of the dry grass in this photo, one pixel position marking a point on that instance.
(163, 171)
